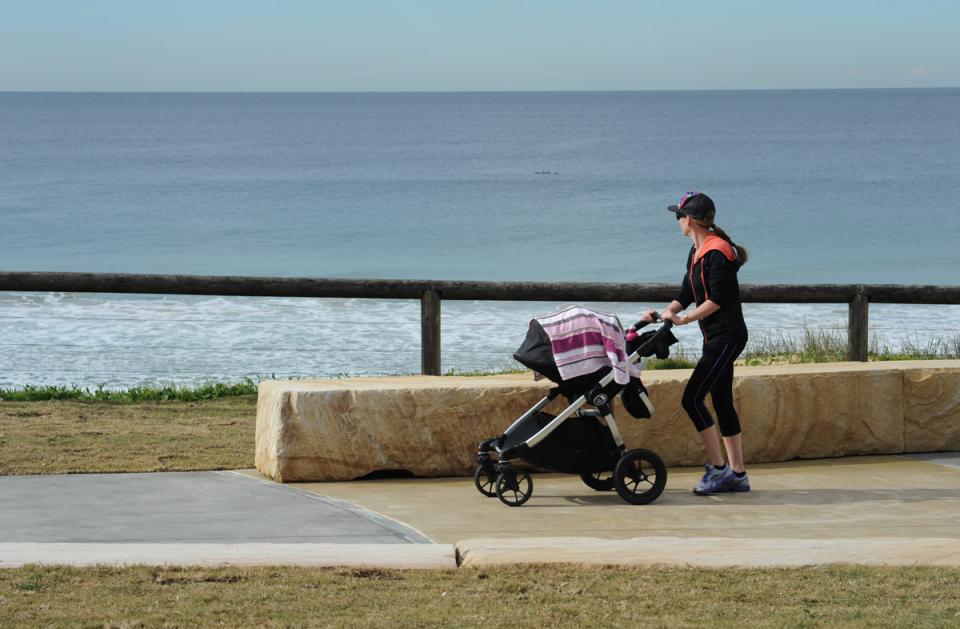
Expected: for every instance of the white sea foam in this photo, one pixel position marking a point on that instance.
(122, 341)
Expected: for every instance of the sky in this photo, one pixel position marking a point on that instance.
(455, 45)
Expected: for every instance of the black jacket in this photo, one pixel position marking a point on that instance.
(714, 277)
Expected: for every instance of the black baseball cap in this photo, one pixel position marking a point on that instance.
(695, 205)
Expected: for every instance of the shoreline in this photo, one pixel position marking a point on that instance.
(213, 390)
(92, 340)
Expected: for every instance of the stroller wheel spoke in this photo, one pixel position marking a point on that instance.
(640, 476)
(514, 487)
(485, 480)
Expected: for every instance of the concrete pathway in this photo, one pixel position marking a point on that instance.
(257, 554)
(712, 552)
(196, 518)
(185, 507)
(875, 496)
(896, 510)
(951, 459)
(886, 509)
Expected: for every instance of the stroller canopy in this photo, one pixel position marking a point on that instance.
(576, 341)
(535, 352)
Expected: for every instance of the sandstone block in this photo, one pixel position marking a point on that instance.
(431, 426)
(785, 412)
(815, 415)
(339, 430)
(931, 410)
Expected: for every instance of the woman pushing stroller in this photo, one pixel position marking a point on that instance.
(710, 281)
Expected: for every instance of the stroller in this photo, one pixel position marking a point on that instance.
(576, 441)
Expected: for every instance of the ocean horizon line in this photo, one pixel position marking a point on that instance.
(495, 91)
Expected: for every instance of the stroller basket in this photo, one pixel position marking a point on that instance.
(580, 444)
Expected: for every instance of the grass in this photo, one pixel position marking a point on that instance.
(514, 596)
(673, 362)
(814, 346)
(487, 372)
(69, 436)
(209, 391)
(822, 345)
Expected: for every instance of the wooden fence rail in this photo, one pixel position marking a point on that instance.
(432, 292)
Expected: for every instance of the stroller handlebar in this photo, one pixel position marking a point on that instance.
(632, 330)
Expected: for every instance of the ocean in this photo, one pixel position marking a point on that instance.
(822, 186)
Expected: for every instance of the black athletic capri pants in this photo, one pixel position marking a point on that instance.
(714, 374)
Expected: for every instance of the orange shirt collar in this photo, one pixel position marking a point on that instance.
(715, 243)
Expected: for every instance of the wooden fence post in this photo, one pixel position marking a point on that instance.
(857, 326)
(430, 332)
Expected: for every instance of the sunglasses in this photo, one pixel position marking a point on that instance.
(681, 215)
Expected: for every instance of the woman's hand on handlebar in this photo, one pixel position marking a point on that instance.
(672, 317)
(650, 316)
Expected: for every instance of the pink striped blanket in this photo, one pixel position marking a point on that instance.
(583, 341)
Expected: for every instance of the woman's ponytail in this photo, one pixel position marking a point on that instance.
(742, 254)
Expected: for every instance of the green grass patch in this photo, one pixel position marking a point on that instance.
(511, 596)
(71, 436)
(673, 362)
(819, 345)
(814, 346)
(487, 372)
(209, 391)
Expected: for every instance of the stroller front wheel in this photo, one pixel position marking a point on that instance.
(514, 487)
(640, 476)
(485, 478)
(600, 481)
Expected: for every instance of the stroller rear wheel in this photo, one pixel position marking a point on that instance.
(601, 481)
(640, 476)
(485, 478)
(514, 487)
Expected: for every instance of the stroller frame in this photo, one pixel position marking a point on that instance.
(514, 486)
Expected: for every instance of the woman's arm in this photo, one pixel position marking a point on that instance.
(702, 311)
(719, 277)
(669, 313)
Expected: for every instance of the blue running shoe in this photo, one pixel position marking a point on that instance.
(738, 483)
(714, 480)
